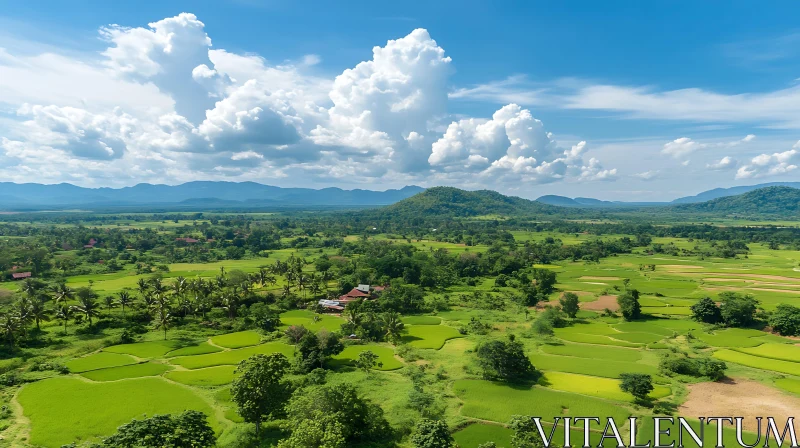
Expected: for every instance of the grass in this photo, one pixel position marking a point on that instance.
(638, 338)
(422, 320)
(385, 355)
(429, 336)
(731, 338)
(237, 340)
(123, 372)
(232, 357)
(594, 386)
(775, 351)
(65, 409)
(498, 402)
(199, 349)
(789, 384)
(594, 352)
(757, 362)
(476, 434)
(607, 369)
(210, 376)
(306, 319)
(594, 339)
(99, 360)
(150, 349)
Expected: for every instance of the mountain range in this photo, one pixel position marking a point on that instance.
(708, 195)
(191, 195)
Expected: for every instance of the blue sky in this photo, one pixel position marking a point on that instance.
(615, 100)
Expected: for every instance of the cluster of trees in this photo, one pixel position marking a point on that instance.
(683, 364)
(734, 310)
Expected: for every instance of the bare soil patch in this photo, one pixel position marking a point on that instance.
(759, 276)
(598, 278)
(750, 399)
(601, 304)
(788, 291)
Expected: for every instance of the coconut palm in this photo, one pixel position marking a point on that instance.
(9, 327)
(142, 286)
(64, 313)
(163, 315)
(393, 326)
(87, 305)
(109, 302)
(38, 312)
(124, 298)
(63, 293)
(229, 302)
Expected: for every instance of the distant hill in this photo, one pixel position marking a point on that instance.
(449, 201)
(563, 201)
(191, 195)
(780, 201)
(732, 191)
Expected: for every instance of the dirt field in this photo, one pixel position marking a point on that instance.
(743, 276)
(601, 303)
(750, 399)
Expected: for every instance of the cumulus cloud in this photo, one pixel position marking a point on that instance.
(725, 163)
(770, 164)
(684, 146)
(647, 175)
(511, 145)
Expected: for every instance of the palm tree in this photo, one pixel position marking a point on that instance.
(22, 309)
(393, 325)
(163, 315)
(142, 286)
(180, 285)
(157, 285)
(125, 299)
(110, 302)
(30, 287)
(63, 293)
(64, 314)
(87, 305)
(9, 327)
(38, 312)
(229, 303)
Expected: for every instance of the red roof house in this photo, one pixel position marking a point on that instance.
(20, 275)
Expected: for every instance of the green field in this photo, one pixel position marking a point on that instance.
(607, 369)
(99, 360)
(789, 384)
(422, 320)
(123, 372)
(210, 376)
(62, 410)
(385, 356)
(592, 351)
(199, 349)
(150, 349)
(232, 357)
(593, 386)
(646, 432)
(757, 362)
(498, 402)
(731, 337)
(237, 340)
(775, 351)
(429, 336)
(307, 319)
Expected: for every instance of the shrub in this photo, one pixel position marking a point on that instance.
(505, 360)
(786, 320)
(637, 384)
(431, 434)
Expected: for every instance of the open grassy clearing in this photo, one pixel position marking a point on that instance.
(99, 360)
(207, 377)
(593, 386)
(385, 356)
(498, 402)
(62, 410)
(232, 357)
(429, 336)
(123, 372)
(758, 362)
(237, 340)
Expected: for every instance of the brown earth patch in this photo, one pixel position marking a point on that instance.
(760, 276)
(749, 399)
(789, 291)
(601, 304)
(598, 278)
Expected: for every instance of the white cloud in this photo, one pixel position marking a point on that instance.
(684, 146)
(770, 164)
(647, 175)
(725, 163)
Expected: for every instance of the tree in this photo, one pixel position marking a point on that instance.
(162, 310)
(261, 390)
(64, 313)
(314, 350)
(9, 327)
(190, 429)
(637, 384)
(786, 320)
(545, 281)
(629, 304)
(110, 302)
(87, 304)
(62, 293)
(295, 333)
(125, 299)
(38, 312)
(738, 310)
(505, 360)
(570, 304)
(368, 360)
(319, 431)
(525, 433)
(431, 434)
(705, 310)
(393, 325)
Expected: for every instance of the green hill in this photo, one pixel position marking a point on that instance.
(769, 201)
(449, 201)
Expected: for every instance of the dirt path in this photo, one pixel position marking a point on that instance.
(749, 399)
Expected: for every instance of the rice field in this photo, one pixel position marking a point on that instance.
(237, 340)
(783, 352)
(65, 409)
(100, 360)
(603, 368)
(123, 372)
(232, 357)
(385, 356)
(498, 402)
(593, 386)
(757, 362)
(207, 377)
(429, 336)
(199, 349)
(789, 384)
(313, 322)
(594, 352)
(422, 320)
(147, 350)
